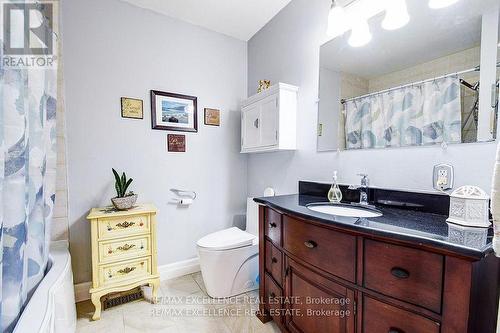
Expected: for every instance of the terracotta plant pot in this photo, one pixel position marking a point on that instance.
(125, 202)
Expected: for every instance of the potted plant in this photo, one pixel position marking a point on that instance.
(124, 200)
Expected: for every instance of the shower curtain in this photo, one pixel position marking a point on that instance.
(27, 183)
(421, 114)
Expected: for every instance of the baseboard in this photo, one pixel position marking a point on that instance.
(180, 268)
(169, 271)
(82, 291)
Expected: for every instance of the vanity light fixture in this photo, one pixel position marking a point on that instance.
(360, 34)
(396, 15)
(437, 4)
(337, 21)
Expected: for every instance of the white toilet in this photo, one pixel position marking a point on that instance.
(229, 259)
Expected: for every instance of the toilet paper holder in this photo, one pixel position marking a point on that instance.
(186, 197)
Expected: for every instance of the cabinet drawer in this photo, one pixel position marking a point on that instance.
(116, 272)
(274, 262)
(272, 296)
(410, 275)
(120, 249)
(123, 226)
(272, 227)
(317, 304)
(379, 317)
(324, 248)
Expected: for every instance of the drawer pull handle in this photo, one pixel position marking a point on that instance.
(125, 224)
(395, 330)
(400, 273)
(126, 247)
(274, 260)
(310, 244)
(126, 270)
(272, 225)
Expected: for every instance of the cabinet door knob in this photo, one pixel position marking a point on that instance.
(400, 273)
(256, 123)
(274, 260)
(272, 295)
(395, 330)
(310, 244)
(272, 224)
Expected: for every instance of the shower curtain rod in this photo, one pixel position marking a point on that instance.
(475, 69)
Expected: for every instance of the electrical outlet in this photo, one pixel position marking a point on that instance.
(443, 177)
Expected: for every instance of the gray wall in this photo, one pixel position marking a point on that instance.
(287, 50)
(113, 49)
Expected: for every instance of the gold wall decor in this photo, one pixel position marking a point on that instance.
(212, 117)
(263, 85)
(132, 108)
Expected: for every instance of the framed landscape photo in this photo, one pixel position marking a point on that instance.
(173, 112)
(132, 108)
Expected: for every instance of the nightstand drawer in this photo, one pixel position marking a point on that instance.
(123, 226)
(116, 272)
(121, 249)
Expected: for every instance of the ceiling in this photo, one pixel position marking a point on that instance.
(236, 18)
(430, 34)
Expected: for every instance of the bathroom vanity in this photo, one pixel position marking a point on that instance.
(407, 271)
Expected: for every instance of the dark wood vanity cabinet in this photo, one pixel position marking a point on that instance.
(317, 277)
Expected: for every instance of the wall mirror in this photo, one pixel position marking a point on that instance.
(433, 81)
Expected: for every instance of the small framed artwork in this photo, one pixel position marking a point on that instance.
(176, 143)
(212, 117)
(132, 108)
(173, 112)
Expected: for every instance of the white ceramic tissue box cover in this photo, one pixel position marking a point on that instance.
(472, 237)
(469, 207)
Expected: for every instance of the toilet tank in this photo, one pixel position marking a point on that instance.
(252, 217)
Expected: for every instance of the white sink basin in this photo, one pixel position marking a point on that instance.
(344, 210)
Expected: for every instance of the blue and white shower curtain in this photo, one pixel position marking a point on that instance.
(422, 114)
(27, 183)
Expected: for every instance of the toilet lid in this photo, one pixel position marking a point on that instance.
(226, 239)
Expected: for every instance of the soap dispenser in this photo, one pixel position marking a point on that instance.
(334, 194)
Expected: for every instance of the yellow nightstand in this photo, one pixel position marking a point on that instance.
(123, 251)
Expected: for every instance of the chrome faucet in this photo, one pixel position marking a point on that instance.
(363, 189)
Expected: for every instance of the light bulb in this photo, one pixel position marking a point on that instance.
(360, 34)
(396, 15)
(337, 22)
(437, 4)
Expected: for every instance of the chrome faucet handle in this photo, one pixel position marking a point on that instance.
(364, 179)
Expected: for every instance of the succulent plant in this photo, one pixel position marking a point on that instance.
(122, 184)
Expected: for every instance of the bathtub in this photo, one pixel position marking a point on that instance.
(51, 308)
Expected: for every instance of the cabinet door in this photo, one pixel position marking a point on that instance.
(269, 121)
(317, 304)
(251, 126)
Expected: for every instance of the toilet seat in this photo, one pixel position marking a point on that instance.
(227, 239)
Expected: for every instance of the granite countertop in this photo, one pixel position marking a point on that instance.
(400, 223)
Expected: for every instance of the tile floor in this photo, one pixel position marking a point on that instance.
(183, 307)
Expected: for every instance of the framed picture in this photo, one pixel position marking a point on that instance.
(173, 112)
(132, 108)
(176, 143)
(212, 117)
